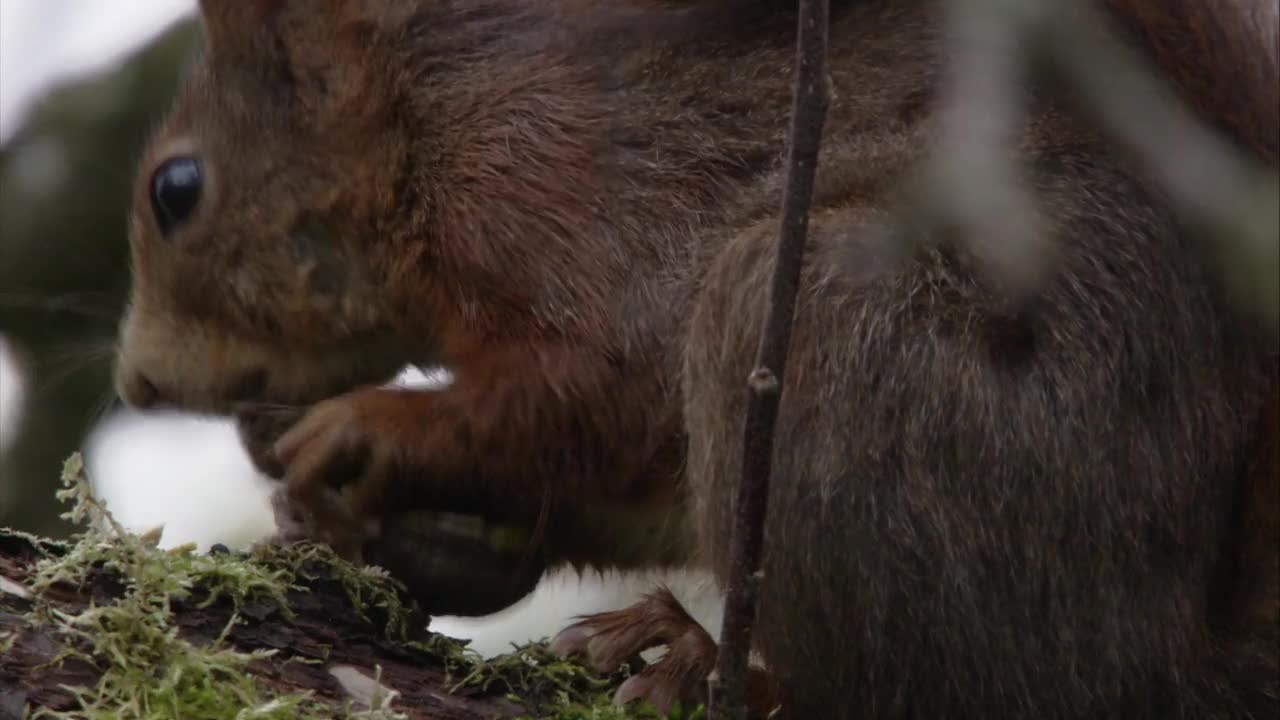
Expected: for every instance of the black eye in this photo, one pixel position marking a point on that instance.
(175, 191)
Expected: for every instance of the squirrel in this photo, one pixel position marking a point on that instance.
(1059, 512)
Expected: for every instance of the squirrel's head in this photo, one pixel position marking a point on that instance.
(260, 214)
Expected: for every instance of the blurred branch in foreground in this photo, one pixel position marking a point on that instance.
(1233, 200)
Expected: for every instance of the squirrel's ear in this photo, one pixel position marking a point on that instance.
(239, 27)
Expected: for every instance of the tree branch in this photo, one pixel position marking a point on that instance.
(809, 109)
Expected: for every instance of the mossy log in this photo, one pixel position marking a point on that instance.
(109, 626)
(325, 632)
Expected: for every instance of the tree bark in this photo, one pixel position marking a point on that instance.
(325, 628)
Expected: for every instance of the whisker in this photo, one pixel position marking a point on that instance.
(84, 349)
(53, 368)
(102, 408)
(78, 304)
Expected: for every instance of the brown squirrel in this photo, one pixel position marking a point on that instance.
(1059, 512)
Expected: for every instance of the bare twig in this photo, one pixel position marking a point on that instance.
(764, 387)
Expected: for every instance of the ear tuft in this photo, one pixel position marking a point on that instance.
(239, 27)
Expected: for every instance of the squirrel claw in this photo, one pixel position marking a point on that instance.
(608, 640)
(574, 640)
(661, 684)
(259, 426)
(338, 463)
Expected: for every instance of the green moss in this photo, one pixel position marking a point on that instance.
(374, 594)
(560, 689)
(147, 572)
(149, 672)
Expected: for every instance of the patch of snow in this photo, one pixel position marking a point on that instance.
(186, 473)
(12, 388)
(563, 595)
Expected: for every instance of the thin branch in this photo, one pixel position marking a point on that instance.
(764, 387)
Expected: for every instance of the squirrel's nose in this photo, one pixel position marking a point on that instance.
(145, 394)
(136, 390)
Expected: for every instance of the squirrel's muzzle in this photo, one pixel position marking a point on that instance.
(137, 391)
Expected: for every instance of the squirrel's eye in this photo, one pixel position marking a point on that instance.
(175, 191)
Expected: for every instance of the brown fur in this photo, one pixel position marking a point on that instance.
(1255, 577)
(1222, 57)
(571, 205)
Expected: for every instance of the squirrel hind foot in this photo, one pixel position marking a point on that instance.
(606, 641)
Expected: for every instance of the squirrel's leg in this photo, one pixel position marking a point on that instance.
(521, 421)
(448, 487)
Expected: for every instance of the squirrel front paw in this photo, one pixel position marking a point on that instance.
(259, 426)
(337, 462)
(358, 476)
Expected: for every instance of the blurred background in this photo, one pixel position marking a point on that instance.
(81, 84)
